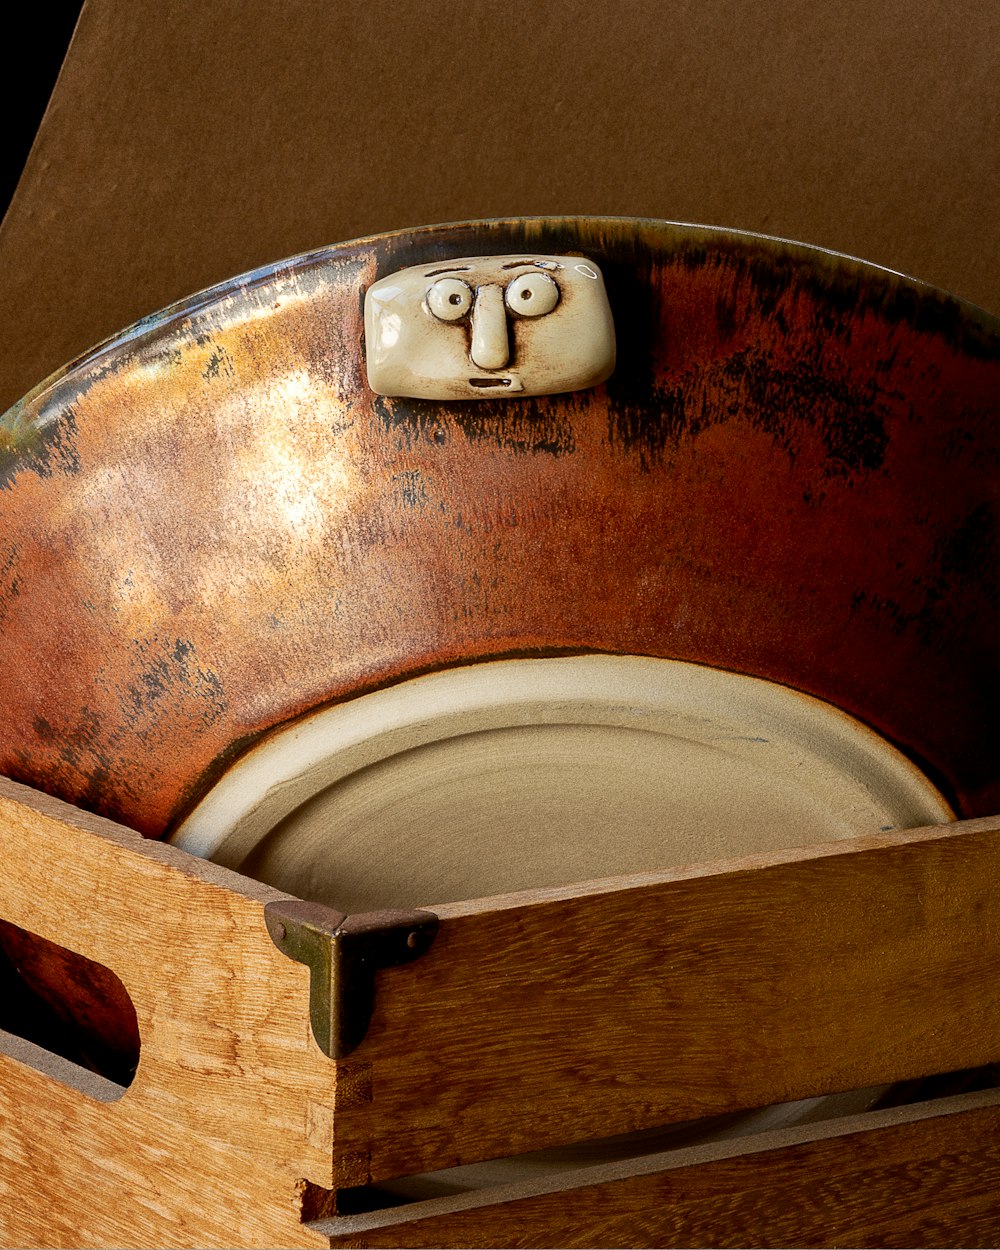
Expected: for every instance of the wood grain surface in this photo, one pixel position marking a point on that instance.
(552, 1016)
(534, 1019)
(231, 1107)
(212, 526)
(925, 1175)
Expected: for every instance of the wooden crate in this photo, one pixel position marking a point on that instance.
(532, 1020)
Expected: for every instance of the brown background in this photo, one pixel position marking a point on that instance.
(187, 142)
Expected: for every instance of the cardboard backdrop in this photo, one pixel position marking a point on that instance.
(189, 141)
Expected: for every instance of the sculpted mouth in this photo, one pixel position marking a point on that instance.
(490, 381)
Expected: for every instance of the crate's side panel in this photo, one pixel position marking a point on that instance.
(75, 1172)
(910, 1177)
(232, 1101)
(541, 1020)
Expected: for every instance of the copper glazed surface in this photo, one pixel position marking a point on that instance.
(210, 525)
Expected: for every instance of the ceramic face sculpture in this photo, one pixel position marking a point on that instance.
(485, 327)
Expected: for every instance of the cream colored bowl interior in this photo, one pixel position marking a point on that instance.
(507, 775)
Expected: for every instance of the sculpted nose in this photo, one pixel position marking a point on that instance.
(490, 349)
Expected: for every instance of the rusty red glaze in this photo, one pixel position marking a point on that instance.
(211, 526)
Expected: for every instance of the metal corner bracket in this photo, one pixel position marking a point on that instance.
(343, 953)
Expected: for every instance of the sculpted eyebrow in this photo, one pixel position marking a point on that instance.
(539, 264)
(433, 273)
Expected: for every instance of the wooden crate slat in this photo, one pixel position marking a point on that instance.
(927, 1175)
(542, 1018)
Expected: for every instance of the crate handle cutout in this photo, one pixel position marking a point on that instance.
(343, 953)
(66, 1015)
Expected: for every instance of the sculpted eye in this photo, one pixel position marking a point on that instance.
(449, 299)
(532, 295)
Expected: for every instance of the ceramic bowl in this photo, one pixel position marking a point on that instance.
(733, 498)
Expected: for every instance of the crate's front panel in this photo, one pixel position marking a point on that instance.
(543, 1019)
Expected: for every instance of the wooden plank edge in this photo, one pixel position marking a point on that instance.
(45, 806)
(21, 802)
(91, 1084)
(716, 868)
